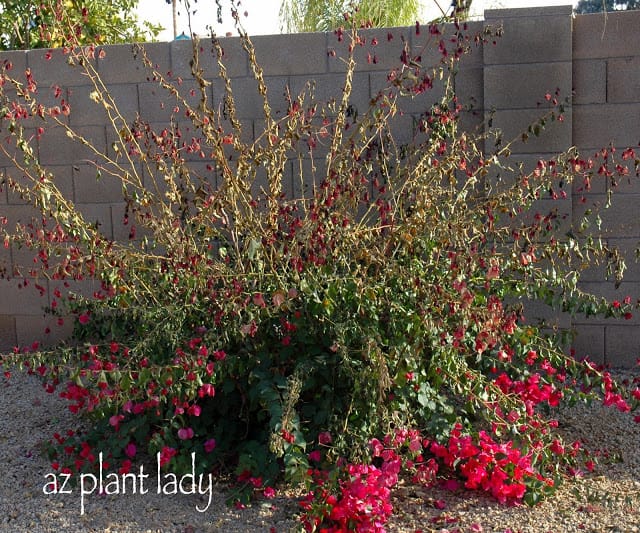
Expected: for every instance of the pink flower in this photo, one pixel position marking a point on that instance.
(194, 410)
(278, 298)
(249, 329)
(209, 445)
(130, 450)
(269, 492)
(324, 438)
(115, 420)
(185, 433)
(258, 300)
(494, 270)
(315, 456)
(415, 444)
(376, 446)
(84, 318)
(206, 389)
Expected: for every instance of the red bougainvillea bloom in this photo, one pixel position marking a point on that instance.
(166, 455)
(125, 468)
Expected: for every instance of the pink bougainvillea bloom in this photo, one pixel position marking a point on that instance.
(130, 450)
(269, 492)
(209, 445)
(278, 298)
(324, 438)
(115, 420)
(194, 410)
(315, 456)
(493, 271)
(249, 329)
(185, 433)
(207, 389)
(258, 300)
(376, 446)
(84, 318)
(415, 444)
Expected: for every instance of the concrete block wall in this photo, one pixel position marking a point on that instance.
(606, 110)
(542, 50)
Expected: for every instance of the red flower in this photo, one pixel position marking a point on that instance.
(126, 467)
(166, 454)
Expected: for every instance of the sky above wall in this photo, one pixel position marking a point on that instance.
(263, 19)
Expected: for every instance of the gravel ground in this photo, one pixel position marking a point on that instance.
(608, 501)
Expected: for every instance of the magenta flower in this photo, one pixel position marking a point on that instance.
(194, 410)
(315, 456)
(185, 433)
(115, 420)
(209, 445)
(207, 389)
(324, 438)
(130, 450)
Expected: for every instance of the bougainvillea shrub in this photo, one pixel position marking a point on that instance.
(368, 328)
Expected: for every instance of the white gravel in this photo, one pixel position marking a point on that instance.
(608, 501)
